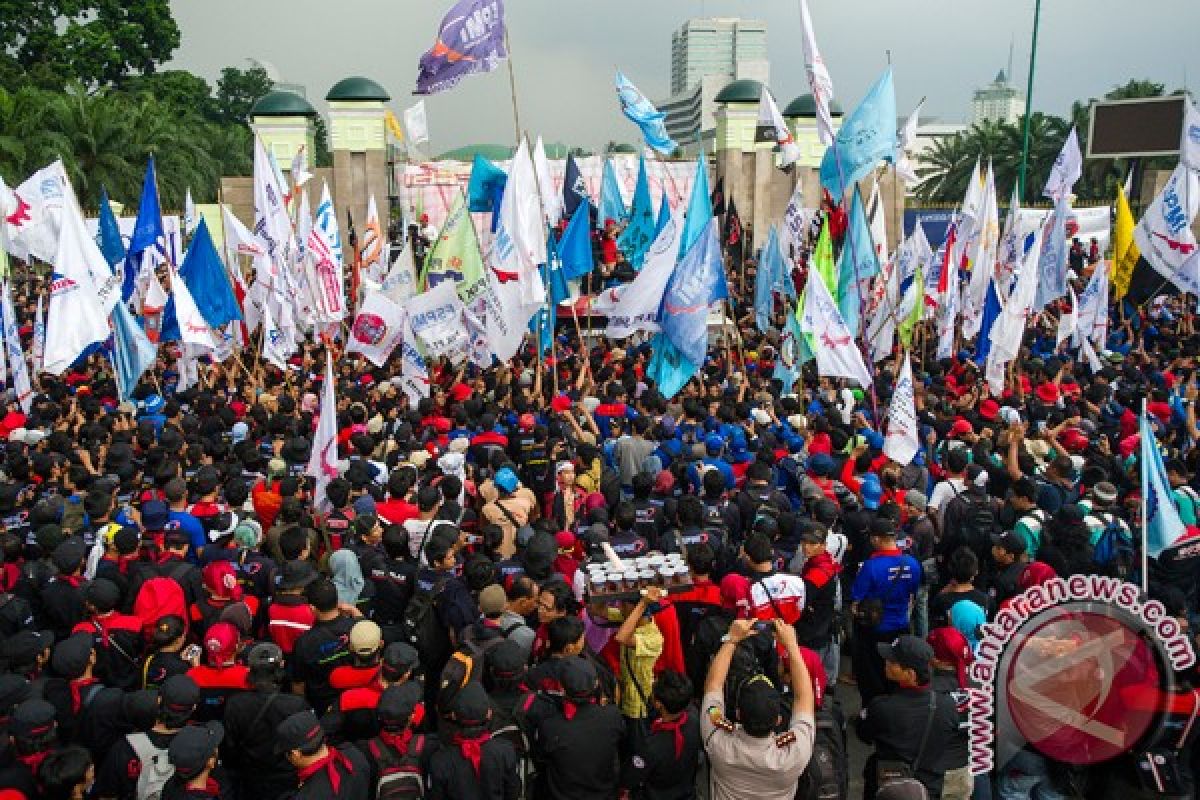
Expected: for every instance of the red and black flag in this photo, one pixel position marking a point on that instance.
(718, 198)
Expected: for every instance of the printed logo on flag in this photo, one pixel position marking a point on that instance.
(1194, 134)
(60, 284)
(369, 329)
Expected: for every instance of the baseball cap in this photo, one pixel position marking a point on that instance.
(903, 789)
(1009, 542)
(300, 730)
(23, 647)
(492, 600)
(14, 689)
(264, 654)
(399, 659)
(155, 515)
(916, 499)
(69, 555)
(220, 578)
(470, 706)
(814, 533)
(1105, 492)
(872, 490)
(578, 677)
(820, 464)
(397, 704)
(910, 653)
(32, 718)
(276, 468)
(506, 480)
(714, 443)
(71, 655)
(526, 422)
(949, 645)
(192, 747)
(961, 428)
(296, 575)
(506, 660)
(179, 693)
(758, 704)
(365, 638)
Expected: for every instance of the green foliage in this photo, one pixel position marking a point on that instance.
(237, 92)
(323, 157)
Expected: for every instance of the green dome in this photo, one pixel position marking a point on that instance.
(624, 148)
(743, 91)
(357, 88)
(282, 104)
(806, 106)
(492, 152)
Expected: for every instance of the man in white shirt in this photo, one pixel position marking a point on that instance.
(950, 488)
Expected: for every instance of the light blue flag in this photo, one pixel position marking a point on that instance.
(700, 209)
(638, 235)
(697, 282)
(612, 206)
(642, 112)
(206, 280)
(1164, 526)
(856, 263)
(147, 231)
(132, 352)
(867, 136)
(542, 323)
(575, 250)
(109, 234)
(765, 281)
(1052, 260)
(664, 216)
(793, 346)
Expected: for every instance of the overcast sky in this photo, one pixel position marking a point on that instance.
(565, 51)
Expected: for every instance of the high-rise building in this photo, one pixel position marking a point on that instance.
(706, 55)
(999, 101)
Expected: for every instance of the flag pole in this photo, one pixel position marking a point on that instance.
(512, 87)
(1145, 508)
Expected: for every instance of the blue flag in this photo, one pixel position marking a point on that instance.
(642, 113)
(638, 235)
(147, 231)
(612, 206)
(856, 263)
(1164, 526)
(574, 187)
(766, 280)
(168, 328)
(575, 250)
(541, 325)
(867, 135)
(469, 40)
(132, 352)
(700, 209)
(111, 243)
(486, 188)
(991, 312)
(793, 345)
(698, 281)
(204, 275)
(664, 216)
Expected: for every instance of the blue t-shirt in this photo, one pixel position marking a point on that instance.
(892, 577)
(197, 537)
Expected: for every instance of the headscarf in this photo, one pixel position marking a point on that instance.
(347, 576)
(968, 618)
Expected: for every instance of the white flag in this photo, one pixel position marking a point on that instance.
(906, 140)
(240, 240)
(818, 76)
(837, 354)
(551, 198)
(416, 124)
(773, 128)
(1009, 327)
(378, 328)
(1189, 140)
(985, 241)
(33, 213)
(271, 222)
(878, 225)
(1088, 353)
(796, 221)
(299, 171)
(637, 306)
(1164, 234)
(1068, 323)
(401, 282)
(515, 281)
(325, 246)
(323, 461)
(39, 338)
(275, 347)
(1093, 308)
(192, 327)
(370, 246)
(1067, 169)
(903, 435)
(189, 213)
(75, 318)
(881, 311)
(436, 317)
(414, 375)
(156, 297)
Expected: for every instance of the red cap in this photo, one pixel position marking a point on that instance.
(664, 482)
(1075, 440)
(220, 580)
(1047, 393)
(561, 403)
(735, 593)
(1035, 573)
(460, 392)
(961, 428)
(950, 645)
(220, 644)
(565, 541)
(526, 422)
(989, 409)
(238, 408)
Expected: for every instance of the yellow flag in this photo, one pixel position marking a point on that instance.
(822, 259)
(1125, 250)
(393, 125)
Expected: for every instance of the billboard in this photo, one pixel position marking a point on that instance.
(1144, 126)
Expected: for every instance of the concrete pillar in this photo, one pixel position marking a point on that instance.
(358, 139)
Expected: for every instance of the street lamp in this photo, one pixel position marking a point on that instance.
(1037, 15)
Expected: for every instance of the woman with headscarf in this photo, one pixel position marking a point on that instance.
(968, 618)
(347, 577)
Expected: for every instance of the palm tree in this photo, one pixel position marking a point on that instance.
(940, 174)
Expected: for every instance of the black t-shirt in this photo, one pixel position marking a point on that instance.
(656, 768)
(393, 580)
(318, 652)
(118, 774)
(452, 776)
(581, 754)
(895, 724)
(249, 747)
(941, 603)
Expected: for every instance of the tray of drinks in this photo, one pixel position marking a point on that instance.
(612, 581)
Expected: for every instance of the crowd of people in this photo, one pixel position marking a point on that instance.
(182, 618)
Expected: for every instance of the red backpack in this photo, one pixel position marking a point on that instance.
(160, 597)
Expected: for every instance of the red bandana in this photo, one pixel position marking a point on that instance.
(472, 749)
(675, 727)
(330, 764)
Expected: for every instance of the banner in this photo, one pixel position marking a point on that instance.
(437, 321)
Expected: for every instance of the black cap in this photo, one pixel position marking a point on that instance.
(397, 703)
(69, 555)
(14, 689)
(910, 652)
(32, 718)
(470, 706)
(813, 533)
(506, 660)
(176, 537)
(23, 647)
(299, 731)
(903, 789)
(578, 677)
(1009, 542)
(264, 654)
(296, 575)
(155, 515)
(191, 748)
(179, 694)
(758, 704)
(71, 655)
(103, 594)
(399, 659)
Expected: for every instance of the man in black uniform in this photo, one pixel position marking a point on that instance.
(393, 578)
(323, 771)
(663, 765)
(323, 647)
(471, 765)
(138, 759)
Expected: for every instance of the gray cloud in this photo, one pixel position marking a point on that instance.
(565, 52)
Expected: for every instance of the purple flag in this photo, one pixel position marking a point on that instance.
(470, 40)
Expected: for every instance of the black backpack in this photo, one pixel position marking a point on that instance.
(399, 776)
(977, 522)
(827, 776)
(421, 629)
(1114, 552)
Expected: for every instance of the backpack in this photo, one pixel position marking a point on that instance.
(161, 596)
(1113, 552)
(156, 767)
(400, 776)
(420, 627)
(714, 520)
(827, 776)
(977, 522)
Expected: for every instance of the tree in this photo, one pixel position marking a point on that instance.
(186, 93)
(237, 92)
(323, 157)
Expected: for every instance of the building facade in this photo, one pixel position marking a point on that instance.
(999, 101)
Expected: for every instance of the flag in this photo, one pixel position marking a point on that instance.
(664, 215)
(148, 232)
(574, 187)
(133, 353)
(414, 375)
(833, 344)
(638, 235)
(1068, 323)
(733, 236)
(903, 435)
(912, 259)
(880, 334)
(1189, 139)
(516, 288)
(771, 276)
(271, 223)
(240, 240)
(401, 281)
(1164, 236)
(796, 221)
(1009, 328)
(193, 327)
(469, 40)
(818, 76)
(275, 347)
(636, 306)
(393, 125)
(697, 282)
(771, 127)
(906, 140)
(486, 187)
(551, 205)
(1093, 309)
(821, 258)
(575, 249)
(1052, 261)
(378, 328)
(1011, 248)
(16, 357)
(1164, 526)
(416, 123)
(370, 253)
(111, 243)
(156, 297)
(205, 277)
(189, 212)
(298, 173)
(987, 320)
(323, 460)
(1125, 250)
(642, 112)
(867, 135)
(37, 354)
(325, 248)
(717, 201)
(985, 241)
(791, 344)
(1066, 170)
(455, 257)
(437, 319)
(612, 206)
(856, 265)
(33, 213)
(75, 317)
